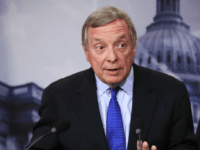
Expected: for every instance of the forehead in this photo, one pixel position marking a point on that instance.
(115, 28)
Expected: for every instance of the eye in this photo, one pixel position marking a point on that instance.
(100, 47)
(121, 45)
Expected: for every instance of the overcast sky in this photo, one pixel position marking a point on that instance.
(41, 39)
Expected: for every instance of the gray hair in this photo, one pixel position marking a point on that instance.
(105, 15)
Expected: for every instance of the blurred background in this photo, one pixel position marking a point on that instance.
(40, 42)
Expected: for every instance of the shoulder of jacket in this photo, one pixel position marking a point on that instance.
(68, 81)
(162, 79)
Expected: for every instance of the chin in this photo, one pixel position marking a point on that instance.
(113, 82)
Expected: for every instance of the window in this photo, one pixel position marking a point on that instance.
(168, 2)
(188, 60)
(159, 58)
(179, 59)
(174, 5)
(162, 5)
(177, 6)
(168, 58)
(149, 60)
(158, 6)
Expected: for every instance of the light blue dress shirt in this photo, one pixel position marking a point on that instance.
(124, 98)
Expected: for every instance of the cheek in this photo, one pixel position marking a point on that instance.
(128, 61)
(131, 57)
(128, 58)
(96, 62)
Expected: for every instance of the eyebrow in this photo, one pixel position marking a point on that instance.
(97, 39)
(121, 37)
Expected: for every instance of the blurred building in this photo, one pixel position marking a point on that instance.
(18, 114)
(169, 47)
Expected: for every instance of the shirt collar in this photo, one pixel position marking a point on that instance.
(126, 86)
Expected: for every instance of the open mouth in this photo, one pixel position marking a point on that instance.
(112, 69)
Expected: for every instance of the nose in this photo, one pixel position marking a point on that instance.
(112, 55)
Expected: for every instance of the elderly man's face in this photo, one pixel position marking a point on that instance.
(110, 52)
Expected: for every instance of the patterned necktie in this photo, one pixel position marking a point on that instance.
(115, 130)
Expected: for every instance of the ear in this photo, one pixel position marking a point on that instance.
(86, 53)
(135, 47)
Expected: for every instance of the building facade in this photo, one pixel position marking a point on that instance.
(169, 47)
(18, 113)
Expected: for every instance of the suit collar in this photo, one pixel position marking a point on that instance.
(143, 103)
(142, 81)
(88, 83)
(87, 108)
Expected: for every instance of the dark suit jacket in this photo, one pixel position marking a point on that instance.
(159, 100)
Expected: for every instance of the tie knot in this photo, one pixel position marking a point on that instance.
(114, 91)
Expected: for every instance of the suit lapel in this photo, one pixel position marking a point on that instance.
(87, 107)
(143, 103)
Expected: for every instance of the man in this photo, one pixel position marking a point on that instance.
(102, 102)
